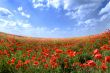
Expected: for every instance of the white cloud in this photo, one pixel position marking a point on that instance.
(54, 30)
(105, 17)
(14, 23)
(38, 3)
(5, 12)
(67, 3)
(76, 9)
(22, 27)
(46, 3)
(89, 23)
(54, 3)
(26, 15)
(84, 12)
(81, 12)
(20, 9)
(106, 9)
(11, 25)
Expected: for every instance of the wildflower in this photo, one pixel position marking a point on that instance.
(91, 63)
(96, 51)
(107, 59)
(17, 66)
(33, 58)
(54, 65)
(9, 62)
(104, 66)
(27, 62)
(43, 60)
(98, 56)
(13, 60)
(65, 60)
(83, 65)
(29, 50)
(58, 51)
(36, 63)
(12, 49)
(66, 66)
(39, 58)
(5, 52)
(45, 54)
(76, 63)
(20, 62)
(46, 66)
(1, 52)
(71, 53)
(105, 47)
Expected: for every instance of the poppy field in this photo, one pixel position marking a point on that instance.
(89, 54)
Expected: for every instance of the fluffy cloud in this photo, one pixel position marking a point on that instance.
(76, 9)
(22, 27)
(81, 9)
(26, 15)
(84, 12)
(106, 9)
(46, 3)
(5, 12)
(20, 9)
(81, 12)
(105, 15)
(9, 23)
(38, 3)
(54, 3)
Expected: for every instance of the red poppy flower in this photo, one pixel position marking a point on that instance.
(54, 65)
(107, 59)
(33, 58)
(104, 66)
(65, 60)
(46, 66)
(13, 60)
(71, 53)
(17, 66)
(105, 47)
(43, 60)
(98, 56)
(96, 51)
(1, 52)
(9, 62)
(27, 62)
(83, 65)
(91, 63)
(36, 63)
(58, 51)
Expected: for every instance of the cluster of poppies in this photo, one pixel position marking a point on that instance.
(26, 56)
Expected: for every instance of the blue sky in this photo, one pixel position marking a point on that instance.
(54, 18)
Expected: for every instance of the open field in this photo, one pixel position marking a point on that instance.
(88, 54)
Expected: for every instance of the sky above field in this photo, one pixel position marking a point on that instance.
(54, 18)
